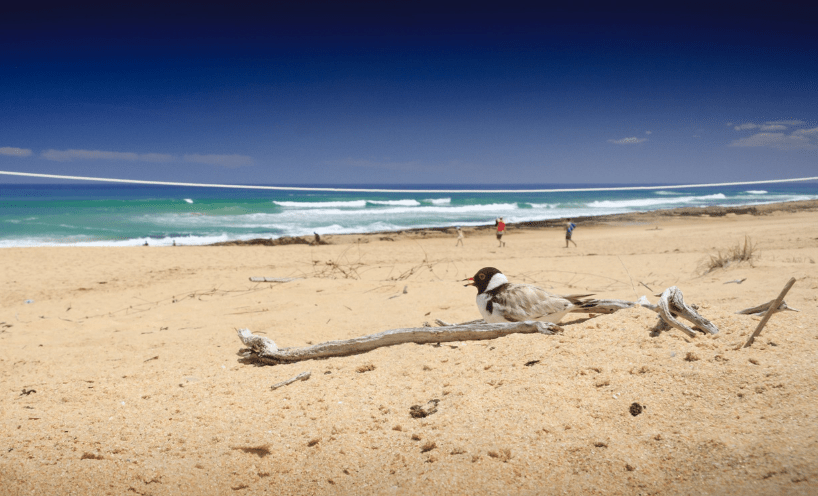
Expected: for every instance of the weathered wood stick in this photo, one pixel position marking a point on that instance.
(303, 376)
(444, 323)
(776, 303)
(274, 279)
(759, 310)
(266, 351)
(671, 303)
(603, 306)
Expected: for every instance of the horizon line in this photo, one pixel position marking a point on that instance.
(391, 190)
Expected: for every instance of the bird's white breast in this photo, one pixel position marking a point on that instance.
(491, 318)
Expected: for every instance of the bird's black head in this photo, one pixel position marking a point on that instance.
(482, 278)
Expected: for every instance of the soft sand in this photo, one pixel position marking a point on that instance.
(132, 353)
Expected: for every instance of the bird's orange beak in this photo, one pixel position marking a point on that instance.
(469, 284)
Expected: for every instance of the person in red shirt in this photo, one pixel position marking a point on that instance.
(501, 229)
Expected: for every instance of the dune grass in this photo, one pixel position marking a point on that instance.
(742, 252)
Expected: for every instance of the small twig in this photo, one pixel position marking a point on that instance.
(273, 279)
(249, 311)
(629, 276)
(649, 288)
(769, 313)
(737, 281)
(303, 376)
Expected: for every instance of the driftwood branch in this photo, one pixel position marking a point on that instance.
(274, 279)
(773, 307)
(303, 376)
(265, 351)
(761, 309)
(671, 304)
(605, 306)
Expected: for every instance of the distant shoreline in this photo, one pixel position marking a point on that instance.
(630, 217)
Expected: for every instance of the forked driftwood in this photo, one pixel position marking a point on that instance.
(773, 307)
(761, 309)
(264, 350)
(671, 304)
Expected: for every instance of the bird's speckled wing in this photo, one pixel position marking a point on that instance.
(520, 302)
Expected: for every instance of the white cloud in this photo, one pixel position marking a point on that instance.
(806, 132)
(627, 141)
(230, 161)
(156, 157)
(648, 132)
(69, 155)
(787, 123)
(768, 126)
(782, 141)
(742, 127)
(220, 160)
(14, 152)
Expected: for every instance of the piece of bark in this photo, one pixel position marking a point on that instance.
(773, 307)
(303, 376)
(671, 304)
(761, 309)
(265, 351)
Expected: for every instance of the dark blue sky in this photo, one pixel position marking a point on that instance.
(342, 93)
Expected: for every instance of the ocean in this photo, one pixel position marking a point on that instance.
(83, 214)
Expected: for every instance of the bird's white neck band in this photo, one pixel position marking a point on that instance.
(496, 280)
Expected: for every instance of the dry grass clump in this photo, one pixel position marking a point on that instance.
(745, 252)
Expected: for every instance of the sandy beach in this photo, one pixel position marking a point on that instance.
(121, 374)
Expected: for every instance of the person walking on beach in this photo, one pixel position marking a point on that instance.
(569, 228)
(459, 237)
(501, 229)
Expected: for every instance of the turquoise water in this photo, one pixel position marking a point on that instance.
(126, 215)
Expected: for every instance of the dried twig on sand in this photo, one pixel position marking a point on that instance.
(273, 279)
(264, 350)
(303, 376)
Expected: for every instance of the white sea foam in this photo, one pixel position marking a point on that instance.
(188, 200)
(667, 193)
(438, 201)
(327, 204)
(405, 203)
(84, 241)
(756, 192)
(649, 202)
(543, 205)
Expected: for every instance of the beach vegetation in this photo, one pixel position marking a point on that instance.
(741, 252)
